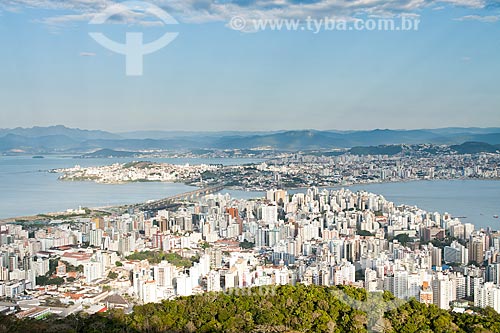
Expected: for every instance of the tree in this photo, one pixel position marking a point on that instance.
(364, 233)
(287, 309)
(403, 239)
(205, 245)
(247, 245)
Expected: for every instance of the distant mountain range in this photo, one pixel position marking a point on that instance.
(59, 130)
(60, 139)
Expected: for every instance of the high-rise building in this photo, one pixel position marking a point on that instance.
(430, 233)
(476, 250)
(92, 270)
(456, 253)
(213, 281)
(488, 295)
(269, 213)
(400, 284)
(426, 295)
(148, 291)
(184, 285)
(443, 291)
(457, 231)
(277, 196)
(215, 258)
(414, 284)
(98, 222)
(371, 281)
(95, 237)
(436, 256)
(468, 229)
(493, 273)
(13, 261)
(164, 274)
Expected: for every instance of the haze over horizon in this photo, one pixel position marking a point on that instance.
(156, 128)
(181, 130)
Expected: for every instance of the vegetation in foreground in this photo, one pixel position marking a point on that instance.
(280, 309)
(156, 257)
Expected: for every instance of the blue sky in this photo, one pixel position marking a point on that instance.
(212, 77)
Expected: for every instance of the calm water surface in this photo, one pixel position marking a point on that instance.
(26, 188)
(476, 200)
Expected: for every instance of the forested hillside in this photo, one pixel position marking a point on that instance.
(280, 309)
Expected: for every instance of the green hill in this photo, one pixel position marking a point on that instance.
(475, 148)
(107, 153)
(378, 150)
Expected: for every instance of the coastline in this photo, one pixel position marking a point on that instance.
(338, 186)
(241, 188)
(46, 216)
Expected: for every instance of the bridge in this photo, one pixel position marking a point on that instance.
(170, 201)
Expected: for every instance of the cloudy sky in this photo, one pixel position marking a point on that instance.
(216, 77)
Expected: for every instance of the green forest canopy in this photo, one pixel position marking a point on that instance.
(265, 309)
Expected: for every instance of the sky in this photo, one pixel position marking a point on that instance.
(218, 75)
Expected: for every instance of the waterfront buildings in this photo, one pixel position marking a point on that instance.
(219, 243)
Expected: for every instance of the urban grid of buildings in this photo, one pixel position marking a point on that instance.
(300, 171)
(219, 243)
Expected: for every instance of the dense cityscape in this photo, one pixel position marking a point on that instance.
(219, 243)
(299, 171)
(243, 166)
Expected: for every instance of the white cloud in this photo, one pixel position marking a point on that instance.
(74, 5)
(62, 20)
(486, 19)
(201, 11)
(466, 3)
(126, 17)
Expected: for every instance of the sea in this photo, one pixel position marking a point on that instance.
(28, 188)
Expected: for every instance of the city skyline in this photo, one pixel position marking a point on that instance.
(249, 166)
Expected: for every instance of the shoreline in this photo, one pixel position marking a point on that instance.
(47, 216)
(238, 188)
(368, 183)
